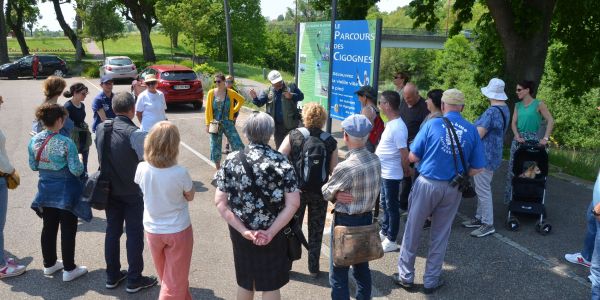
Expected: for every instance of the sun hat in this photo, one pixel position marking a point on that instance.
(150, 78)
(274, 77)
(494, 90)
(453, 97)
(357, 126)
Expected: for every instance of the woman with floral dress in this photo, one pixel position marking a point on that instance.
(259, 245)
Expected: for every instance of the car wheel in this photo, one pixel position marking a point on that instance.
(197, 105)
(59, 73)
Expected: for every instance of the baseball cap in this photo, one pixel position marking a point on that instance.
(367, 91)
(357, 126)
(274, 77)
(105, 79)
(453, 97)
(494, 90)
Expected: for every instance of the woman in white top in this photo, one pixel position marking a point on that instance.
(150, 105)
(8, 266)
(167, 189)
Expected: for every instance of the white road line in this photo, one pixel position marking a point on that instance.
(186, 118)
(202, 157)
(97, 87)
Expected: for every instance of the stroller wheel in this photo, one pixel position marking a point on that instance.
(512, 224)
(543, 228)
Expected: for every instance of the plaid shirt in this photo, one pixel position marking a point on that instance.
(360, 175)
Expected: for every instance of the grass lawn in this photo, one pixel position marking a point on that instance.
(60, 46)
(131, 45)
(247, 71)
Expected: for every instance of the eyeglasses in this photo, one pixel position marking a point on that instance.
(85, 92)
(229, 81)
(217, 81)
(518, 89)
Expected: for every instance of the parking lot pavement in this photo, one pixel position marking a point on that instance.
(506, 265)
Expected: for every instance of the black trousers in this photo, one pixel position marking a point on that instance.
(317, 210)
(280, 134)
(53, 217)
(128, 211)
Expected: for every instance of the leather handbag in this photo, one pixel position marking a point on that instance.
(213, 126)
(356, 244)
(292, 231)
(12, 180)
(462, 180)
(96, 189)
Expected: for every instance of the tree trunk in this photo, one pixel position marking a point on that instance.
(146, 41)
(66, 28)
(524, 57)
(17, 25)
(175, 39)
(103, 51)
(3, 42)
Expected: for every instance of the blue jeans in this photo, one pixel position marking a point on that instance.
(3, 207)
(595, 268)
(338, 276)
(390, 202)
(128, 210)
(590, 234)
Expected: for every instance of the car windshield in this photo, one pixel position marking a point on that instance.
(178, 75)
(120, 62)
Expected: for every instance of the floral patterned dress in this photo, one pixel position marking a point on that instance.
(262, 268)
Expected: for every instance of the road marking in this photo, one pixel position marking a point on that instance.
(554, 268)
(186, 118)
(202, 157)
(98, 88)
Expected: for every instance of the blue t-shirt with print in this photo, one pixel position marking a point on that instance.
(433, 146)
(101, 101)
(495, 124)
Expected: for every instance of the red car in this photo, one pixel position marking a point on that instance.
(179, 84)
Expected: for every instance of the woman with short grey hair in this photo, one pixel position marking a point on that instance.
(257, 204)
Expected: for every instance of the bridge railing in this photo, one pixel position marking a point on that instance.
(411, 31)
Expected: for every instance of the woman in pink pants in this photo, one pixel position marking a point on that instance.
(167, 189)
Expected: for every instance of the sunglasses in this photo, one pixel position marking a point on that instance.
(217, 81)
(228, 81)
(151, 83)
(85, 92)
(518, 90)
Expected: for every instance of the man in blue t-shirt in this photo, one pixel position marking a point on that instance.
(491, 125)
(102, 103)
(432, 194)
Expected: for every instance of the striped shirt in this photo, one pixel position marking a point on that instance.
(360, 175)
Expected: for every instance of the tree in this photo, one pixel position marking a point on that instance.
(31, 18)
(170, 12)
(16, 12)
(3, 41)
(143, 15)
(101, 22)
(347, 9)
(66, 28)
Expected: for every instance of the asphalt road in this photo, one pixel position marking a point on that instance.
(507, 265)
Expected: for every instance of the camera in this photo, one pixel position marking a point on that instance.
(459, 180)
(464, 185)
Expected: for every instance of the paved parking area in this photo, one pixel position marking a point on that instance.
(507, 265)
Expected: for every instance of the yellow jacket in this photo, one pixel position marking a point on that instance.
(234, 97)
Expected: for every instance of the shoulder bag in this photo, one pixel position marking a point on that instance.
(357, 244)
(292, 231)
(463, 181)
(97, 187)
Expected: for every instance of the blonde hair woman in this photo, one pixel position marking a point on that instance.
(314, 117)
(167, 189)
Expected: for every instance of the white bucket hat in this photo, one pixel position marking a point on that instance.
(494, 90)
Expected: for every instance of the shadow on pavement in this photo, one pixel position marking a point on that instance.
(96, 225)
(199, 187)
(182, 108)
(322, 280)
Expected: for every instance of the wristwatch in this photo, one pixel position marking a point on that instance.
(595, 213)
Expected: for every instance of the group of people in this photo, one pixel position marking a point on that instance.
(408, 164)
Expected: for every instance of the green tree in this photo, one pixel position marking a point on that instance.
(170, 18)
(3, 41)
(70, 33)
(347, 9)
(280, 50)
(143, 15)
(101, 22)
(17, 12)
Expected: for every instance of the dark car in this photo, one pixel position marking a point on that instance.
(22, 67)
(179, 84)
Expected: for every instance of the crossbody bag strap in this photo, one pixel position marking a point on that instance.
(38, 156)
(458, 146)
(453, 149)
(503, 118)
(108, 128)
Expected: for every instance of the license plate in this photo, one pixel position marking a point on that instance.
(181, 87)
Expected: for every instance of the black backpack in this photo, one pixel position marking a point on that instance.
(310, 160)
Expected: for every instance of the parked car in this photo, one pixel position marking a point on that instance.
(179, 84)
(22, 67)
(118, 67)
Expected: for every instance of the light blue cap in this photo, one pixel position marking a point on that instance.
(357, 126)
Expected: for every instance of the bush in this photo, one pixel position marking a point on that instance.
(205, 69)
(91, 71)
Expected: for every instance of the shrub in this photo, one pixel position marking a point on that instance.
(91, 71)
(205, 69)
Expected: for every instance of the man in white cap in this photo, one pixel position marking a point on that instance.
(353, 187)
(282, 104)
(432, 193)
(491, 126)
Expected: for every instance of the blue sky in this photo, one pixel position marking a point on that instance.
(269, 8)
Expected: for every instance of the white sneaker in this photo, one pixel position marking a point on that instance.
(11, 269)
(381, 235)
(576, 258)
(389, 246)
(75, 273)
(57, 266)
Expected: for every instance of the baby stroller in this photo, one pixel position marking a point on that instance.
(530, 167)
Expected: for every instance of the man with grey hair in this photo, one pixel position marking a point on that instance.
(125, 204)
(353, 187)
(434, 192)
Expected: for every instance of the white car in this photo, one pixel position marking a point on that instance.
(118, 67)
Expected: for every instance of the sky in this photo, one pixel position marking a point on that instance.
(270, 9)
